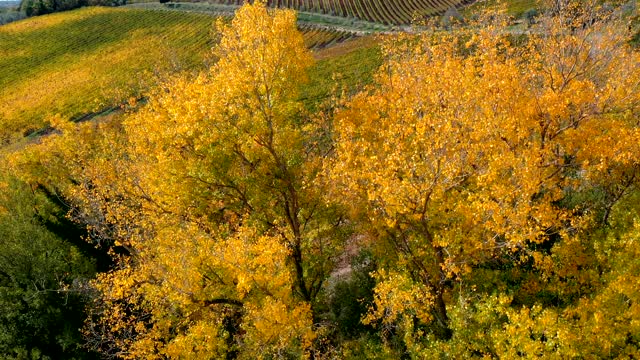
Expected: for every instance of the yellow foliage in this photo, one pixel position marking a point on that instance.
(466, 145)
(209, 191)
(395, 295)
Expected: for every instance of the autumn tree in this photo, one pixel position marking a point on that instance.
(209, 199)
(480, 155)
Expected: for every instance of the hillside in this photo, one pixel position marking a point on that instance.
(389, 12)
(81, 61)
(88, 60)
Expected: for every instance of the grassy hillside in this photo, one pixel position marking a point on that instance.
(82, 61)
(77, 62)
(347, 66)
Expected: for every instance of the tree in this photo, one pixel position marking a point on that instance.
(477, 150)
(210, 198)
(43, 280)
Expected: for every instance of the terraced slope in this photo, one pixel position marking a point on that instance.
(78, 62)
(392, 12)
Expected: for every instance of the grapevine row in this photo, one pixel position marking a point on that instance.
(390, 12)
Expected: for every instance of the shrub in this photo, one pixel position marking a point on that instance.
(11, 16)
(41, 7)
(352, 296)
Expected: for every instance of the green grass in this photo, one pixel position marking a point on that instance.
(348, 66)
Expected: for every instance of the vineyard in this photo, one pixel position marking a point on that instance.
(391, 12)
(79, 62)
(318, 38)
